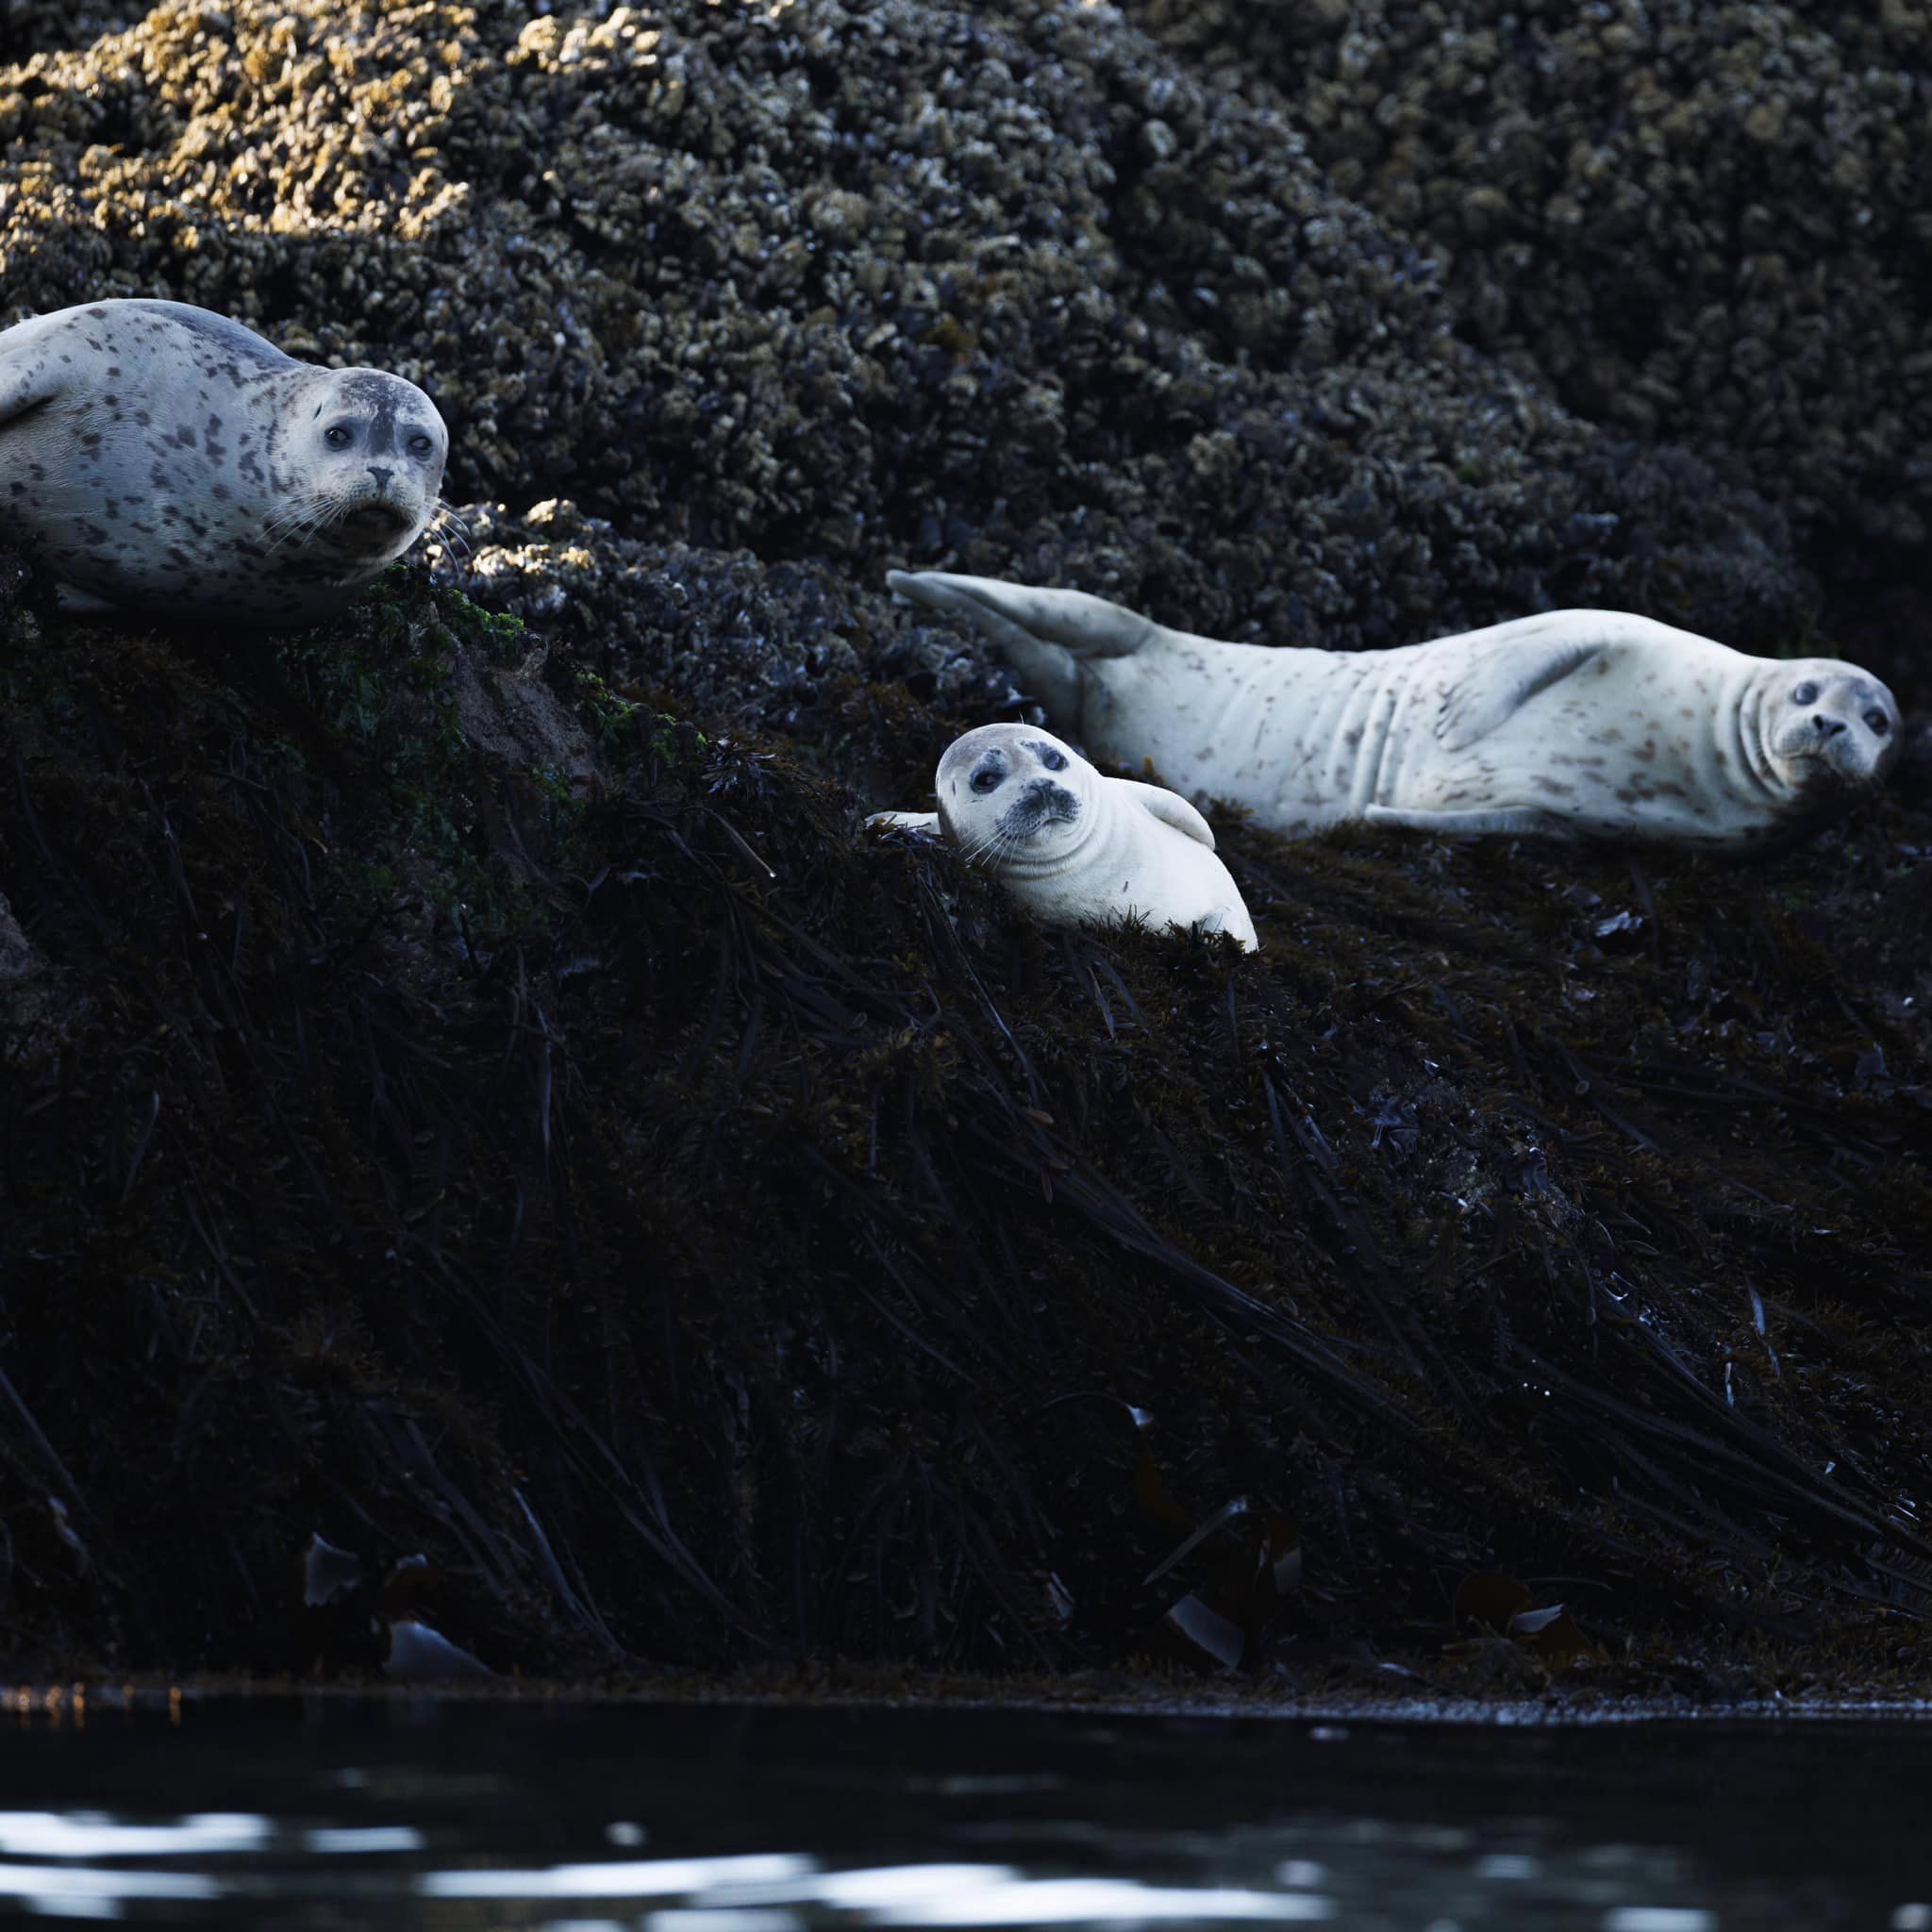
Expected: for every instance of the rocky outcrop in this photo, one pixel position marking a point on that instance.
(473, 1094)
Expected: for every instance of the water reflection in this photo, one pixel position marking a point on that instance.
(753, 1893)
(712, 1821)
(653, 1878)
(95, 1834)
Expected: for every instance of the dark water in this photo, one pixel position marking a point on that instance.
(337, 1814)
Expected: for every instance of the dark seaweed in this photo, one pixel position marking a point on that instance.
(713, 1238)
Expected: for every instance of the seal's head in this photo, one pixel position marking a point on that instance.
(1828, 724)
(1013, 796)
(364, 455)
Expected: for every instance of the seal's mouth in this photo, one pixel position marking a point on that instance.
(1832, 764)
(376, 520)
(370, 525)
(1042, 803)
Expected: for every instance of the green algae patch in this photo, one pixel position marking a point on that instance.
(457, 1108)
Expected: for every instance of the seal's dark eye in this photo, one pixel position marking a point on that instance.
(419, 446)
(1805, 693)
(1053, 761)
(1879, 723)
(985, 781)
(336, 437)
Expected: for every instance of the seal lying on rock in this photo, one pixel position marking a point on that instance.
(1076, 848)
(164, 457)
(1574, 724)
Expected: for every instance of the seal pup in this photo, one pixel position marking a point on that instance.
(162, 456)
(1575, 723)
(1073, 846)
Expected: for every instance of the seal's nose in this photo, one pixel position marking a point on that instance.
(1045, 791)
(1826, 727)
(381, 476)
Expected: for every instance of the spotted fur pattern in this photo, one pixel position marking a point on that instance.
(163, 457)
(1572, 724)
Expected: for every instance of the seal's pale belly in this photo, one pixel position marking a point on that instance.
(1138, 869)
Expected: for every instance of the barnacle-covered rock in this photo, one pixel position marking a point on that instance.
(1700, 221)
(1015, 293)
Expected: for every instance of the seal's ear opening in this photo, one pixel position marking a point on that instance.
(1171, 809)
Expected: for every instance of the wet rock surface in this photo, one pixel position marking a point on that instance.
(502, 1112)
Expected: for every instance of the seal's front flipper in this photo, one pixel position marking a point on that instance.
(1171, 809)
(29, 380)
(1491, 690)
(1234, 920)
(906, 822)
(1510, 822)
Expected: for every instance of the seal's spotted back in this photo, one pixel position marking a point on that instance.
(1572, 724)
(164, 458)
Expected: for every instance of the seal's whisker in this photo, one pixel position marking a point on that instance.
(448, 530)
(278, 531)
(985, 846)
(287, 518)
(452, 532)
(299, 519)
(995, 847)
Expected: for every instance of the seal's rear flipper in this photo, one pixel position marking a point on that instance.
(1047, 670)
(1043, 634)
(907, 821)
(1520, 820)
(1086, 627)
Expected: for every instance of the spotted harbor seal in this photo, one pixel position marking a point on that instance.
(1573, 724)
(161, 457)
(1076, 848)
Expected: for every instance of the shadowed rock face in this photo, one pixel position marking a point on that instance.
(463, 1111)
(1701, 222)
(481, 1100)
